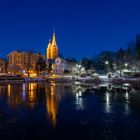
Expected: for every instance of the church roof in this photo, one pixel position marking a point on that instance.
(54, 40)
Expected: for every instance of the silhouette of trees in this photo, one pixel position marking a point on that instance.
(138, 47)
(40, 65)
(15, 69)
(87, 63)
(27, 61)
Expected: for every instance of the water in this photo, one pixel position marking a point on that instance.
(65, 111)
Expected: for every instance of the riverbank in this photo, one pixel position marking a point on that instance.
(132, 81)
(86, 80)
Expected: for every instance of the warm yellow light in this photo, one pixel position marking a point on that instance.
(52, 50)
(51, 104)
(33, 75)
(9, 90)
(55, 76)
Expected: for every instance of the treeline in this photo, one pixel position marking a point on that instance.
(128, 57)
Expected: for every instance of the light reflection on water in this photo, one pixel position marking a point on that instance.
(108, 103)
(52, 103)
(127, 95)
(24, 91)
(79, 101)
(63, 106)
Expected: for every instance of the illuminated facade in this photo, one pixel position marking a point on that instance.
(52, 49)
(24, 59)
(59, 66)
(2, 65)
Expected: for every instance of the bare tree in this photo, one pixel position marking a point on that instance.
(15, 69)
(27, 61)
(40, 65)
(6, 66)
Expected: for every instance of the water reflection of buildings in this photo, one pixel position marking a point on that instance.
(22, 94)
(54, 94)
(18, 94)
(28, 94)
(79, 101)
(31, 94)
(78, 92)
(118, 95)
(13, 97)
(127, 108)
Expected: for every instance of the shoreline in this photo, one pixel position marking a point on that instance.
(96, 80)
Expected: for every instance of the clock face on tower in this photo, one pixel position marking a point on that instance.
(57, 60)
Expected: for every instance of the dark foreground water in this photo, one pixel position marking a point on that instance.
(66, 111)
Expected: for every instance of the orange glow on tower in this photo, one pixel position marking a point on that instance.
(52, 49)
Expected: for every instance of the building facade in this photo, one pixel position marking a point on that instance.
(2, 66)
(52, 49)
(23, 61)
(59, 66)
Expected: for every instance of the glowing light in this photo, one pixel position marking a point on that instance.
(80, 93)
(126, 64)
(23, 71)
(127, 109)
(79, 101)
(51, 103)
(79, 66)
(33, 74)
(106, 62)
(23, 91)
(107, 105)
(77, 95)
(32, 94)
(52, 89)
(23, 87)
(9, 90)
(126, 95)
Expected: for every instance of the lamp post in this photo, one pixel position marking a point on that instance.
(78, 68)
(126, 64)
(106, 63)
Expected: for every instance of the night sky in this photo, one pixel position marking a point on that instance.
(83, 27)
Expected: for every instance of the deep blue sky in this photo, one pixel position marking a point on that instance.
(83, 27)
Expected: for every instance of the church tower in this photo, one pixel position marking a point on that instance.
(52, 49)
(48, 50)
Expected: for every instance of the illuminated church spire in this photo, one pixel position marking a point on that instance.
(48, 50)
(54, 40)
(49, 44)
(52, 49)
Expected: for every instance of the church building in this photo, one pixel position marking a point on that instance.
(52, 50)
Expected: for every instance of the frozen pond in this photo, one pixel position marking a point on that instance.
(52, 111)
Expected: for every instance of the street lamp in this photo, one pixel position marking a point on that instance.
(106, 62)
(126, 64)
(78, 68)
